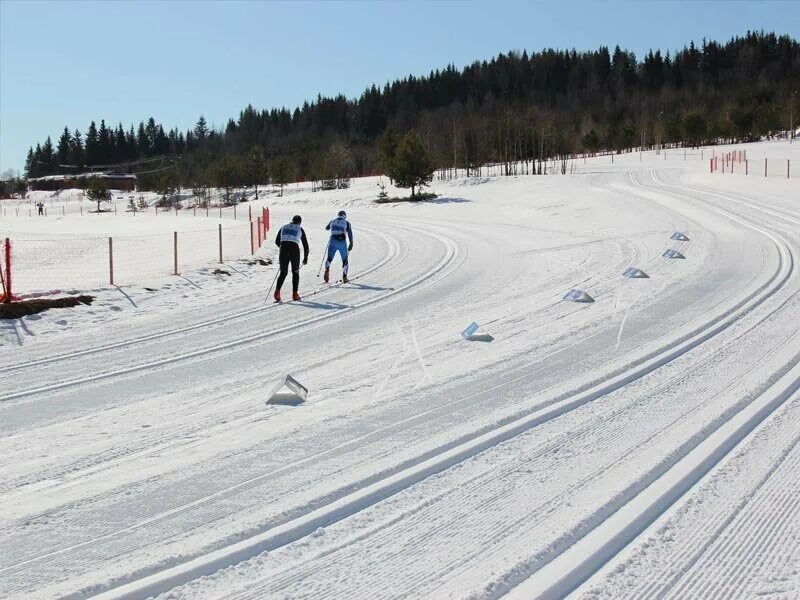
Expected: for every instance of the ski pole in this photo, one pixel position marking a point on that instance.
(324, 256)
(274, 279)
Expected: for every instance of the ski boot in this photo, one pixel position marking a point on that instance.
(326, 278)
(345, 279)
(277, 295)
(295, 296)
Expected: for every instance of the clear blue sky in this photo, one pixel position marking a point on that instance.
(66, 62)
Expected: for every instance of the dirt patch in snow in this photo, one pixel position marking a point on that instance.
(23, 308)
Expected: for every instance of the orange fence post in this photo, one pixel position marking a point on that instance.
(110, 261)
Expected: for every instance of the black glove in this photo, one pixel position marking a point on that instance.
(305, 260)
(350, 247)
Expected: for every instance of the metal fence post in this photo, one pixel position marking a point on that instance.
(175, 250)
(111, 261)
(220, 242)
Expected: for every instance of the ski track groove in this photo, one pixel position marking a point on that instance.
(509, 522)
(237, 343)
(538, 512)
(216, 322)
(764, 294)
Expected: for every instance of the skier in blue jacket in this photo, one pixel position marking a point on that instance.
(341, 233)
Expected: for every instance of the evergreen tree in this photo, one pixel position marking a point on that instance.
(105, 147)
(92, 146)
(48, 160)
(76, 151)
(201, 129)
(30, 167)
(64, 143)
(143, 148)
(412, 166)
(97, 191)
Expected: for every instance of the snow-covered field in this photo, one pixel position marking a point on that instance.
(644, 445)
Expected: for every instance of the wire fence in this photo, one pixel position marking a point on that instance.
(739, 164)
(55, 207)
(41, 266)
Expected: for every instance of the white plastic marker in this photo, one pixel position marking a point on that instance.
(295, 386)
(578, 296)
(635, 273)
(470, 330)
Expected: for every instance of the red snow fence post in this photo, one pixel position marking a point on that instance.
(265, 219)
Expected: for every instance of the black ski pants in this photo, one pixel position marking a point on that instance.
(289, 253)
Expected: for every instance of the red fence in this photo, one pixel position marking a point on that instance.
(737, 163)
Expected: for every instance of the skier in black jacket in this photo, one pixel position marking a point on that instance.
(288, 240)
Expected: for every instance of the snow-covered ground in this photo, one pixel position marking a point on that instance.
(643, 445)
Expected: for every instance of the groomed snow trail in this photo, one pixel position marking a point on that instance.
(641, 446)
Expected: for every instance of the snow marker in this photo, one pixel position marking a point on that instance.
(635, 273)
(672, 254)
(471, 329)
(295, 386)
(578, 296)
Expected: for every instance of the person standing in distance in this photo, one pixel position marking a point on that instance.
(341, 233)
(288, 240)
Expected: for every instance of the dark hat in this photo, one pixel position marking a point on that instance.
(297, 219)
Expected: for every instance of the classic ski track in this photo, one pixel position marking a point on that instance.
(583, 565)
(101, 461)
(391, 242)
(436, 462)
(500, 475)
(410, 422)
(544, 507)
(451, 255)
(536, 514)
(705, 535)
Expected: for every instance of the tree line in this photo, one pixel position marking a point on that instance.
(514, 107)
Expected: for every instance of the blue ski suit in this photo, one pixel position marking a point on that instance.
(341, 232)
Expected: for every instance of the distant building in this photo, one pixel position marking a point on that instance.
(64, 182)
